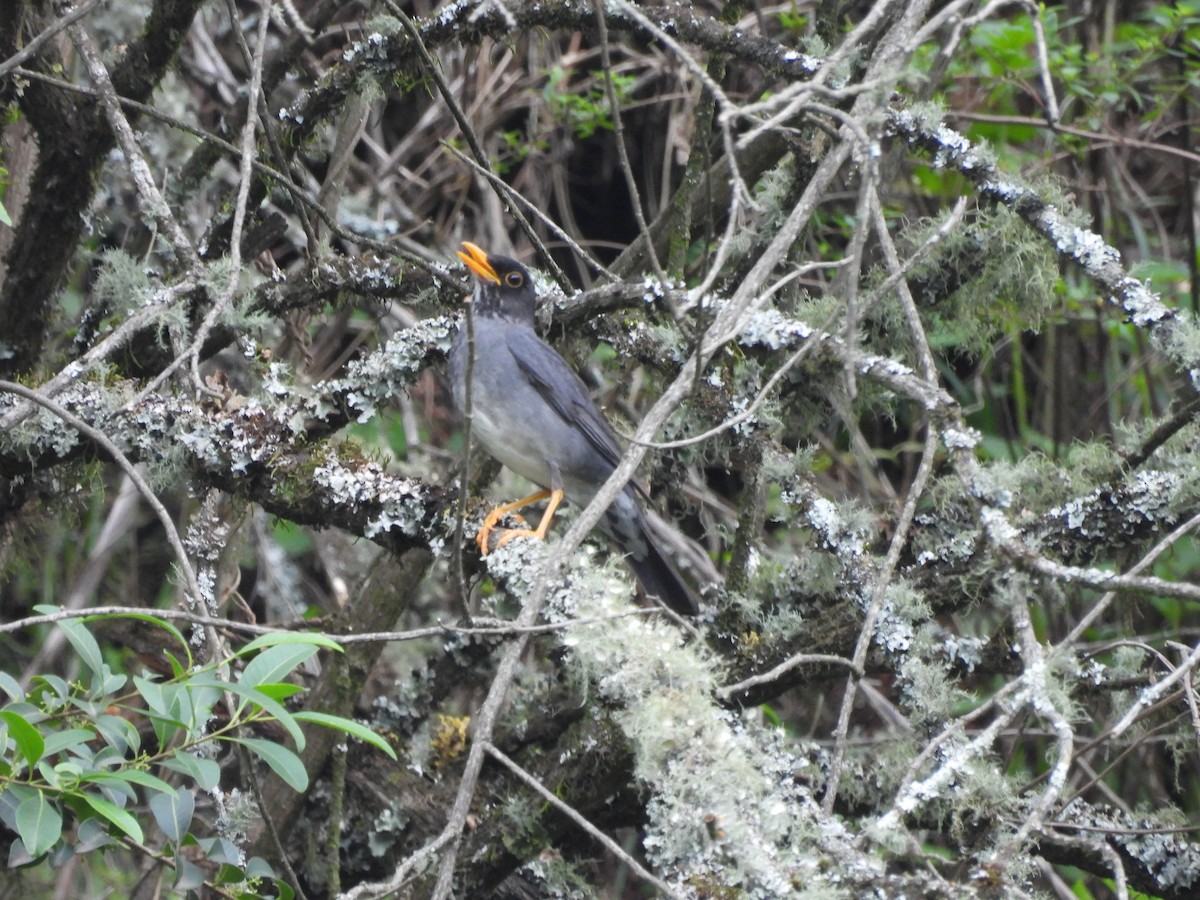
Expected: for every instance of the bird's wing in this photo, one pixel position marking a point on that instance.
(563, 390)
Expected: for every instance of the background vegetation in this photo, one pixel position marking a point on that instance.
(896, 300)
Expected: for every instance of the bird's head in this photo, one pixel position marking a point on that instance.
(503, 287)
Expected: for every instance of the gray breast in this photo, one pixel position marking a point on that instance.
(509, 419)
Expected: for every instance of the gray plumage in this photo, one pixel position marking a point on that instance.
(534, 414)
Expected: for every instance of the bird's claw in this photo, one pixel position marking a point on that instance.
(510, 533)
(484, 537)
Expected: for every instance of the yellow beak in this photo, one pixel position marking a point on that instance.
(475, 259)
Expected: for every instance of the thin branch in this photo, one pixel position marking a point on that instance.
(920, 343)
(793, 662)
(30, 50)
(191, 356)
(153, 202)
(609, 844)
(484, 627)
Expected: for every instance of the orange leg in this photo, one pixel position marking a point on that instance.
(485, 531)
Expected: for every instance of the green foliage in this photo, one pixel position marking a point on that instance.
(587, 110)
(76, 774)
(793, 20)
(516, 147)
(1135, 70)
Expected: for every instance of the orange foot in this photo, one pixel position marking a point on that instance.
(483, 538)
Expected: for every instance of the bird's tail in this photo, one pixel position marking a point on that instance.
(659, 578)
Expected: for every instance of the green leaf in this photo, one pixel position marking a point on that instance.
(39, 823)
(362, 732)
(173, 812)
(281, 715)
(18, 856)
(57, 741)
(113, 784)
(29, 740)
(165, 727)
(113, 683)
(258, 867)
(189, 876)
(92, 834)
(290, 637)
(181, 706)
(202, 700)
(178, 669)
(152, 693)
(83, 642)
(119, 733)
(275, 663)
(12, 687)
(205, 772)
(61, 689)
(220, 850)
(283, 762)
(119, 817)
(131, 776)
(279, 691)
(50, 774)
(169, 707)
(10, 800)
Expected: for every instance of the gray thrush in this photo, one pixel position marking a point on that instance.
(533, 414)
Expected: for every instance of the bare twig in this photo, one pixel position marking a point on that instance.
(153, 202)
(609, 844)
(30, 50)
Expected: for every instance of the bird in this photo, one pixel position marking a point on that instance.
(532, 412)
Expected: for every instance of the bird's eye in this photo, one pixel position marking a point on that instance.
(514, 279)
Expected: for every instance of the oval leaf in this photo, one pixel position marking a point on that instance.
(130, 776)
(269, 706)
(189, 876)
(123, 820)
(258, 867)
(119, 733)
(280, 691)
(85, 645)
(290, 637)
(12, 687)
(283, 762)
(70, 739)
(173, 813)
(275, 663)
(39, 823)
(205, 772)
(29, 740)
(362, 732)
